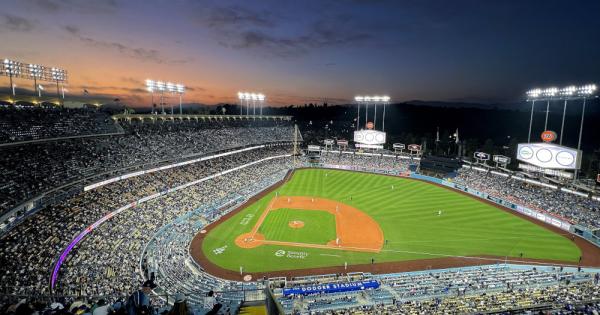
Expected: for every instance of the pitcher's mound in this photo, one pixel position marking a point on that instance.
(296, 224)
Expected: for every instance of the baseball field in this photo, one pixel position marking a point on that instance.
(324, 218)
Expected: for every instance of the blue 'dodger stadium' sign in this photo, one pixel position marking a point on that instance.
(333, 287)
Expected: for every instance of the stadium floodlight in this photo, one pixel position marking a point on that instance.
(36, 72)
(150, 86)
(58, 75)
(553, 94)
(251, 96)
(170, 87)
(161, 86)
(180, 88)
(374, 100)
(11, 68)
(568, 91)
(587, 89)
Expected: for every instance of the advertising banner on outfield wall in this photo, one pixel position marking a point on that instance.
(332, 288)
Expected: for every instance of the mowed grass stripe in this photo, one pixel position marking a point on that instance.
(407, 215)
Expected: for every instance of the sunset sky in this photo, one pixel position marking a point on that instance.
(297, 52)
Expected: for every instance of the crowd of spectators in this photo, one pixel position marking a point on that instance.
(106, 261)
(577, 209)
(35, 123)
(472, 291)
(114, 259)
(371, 162)
(27, 170)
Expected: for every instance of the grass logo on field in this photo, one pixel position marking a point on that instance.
(220, 250)
(280, 253)
(247, 219)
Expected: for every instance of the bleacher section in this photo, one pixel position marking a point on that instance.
(29, 170)
(30, 124)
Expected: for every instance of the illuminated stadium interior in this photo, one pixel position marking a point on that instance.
(224, 163)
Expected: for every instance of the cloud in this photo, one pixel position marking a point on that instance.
(250, 29)
(16, 23)
(324, 33)
(143, 54)
(234, 16)
(194, 89)
(86, 7)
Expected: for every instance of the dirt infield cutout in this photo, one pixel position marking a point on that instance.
(355, 230)
(296, 224)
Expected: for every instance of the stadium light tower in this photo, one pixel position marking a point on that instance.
(180, 90)
(375, 100)
(170, 87)
(59, 76)
(160, 86)
(36, 72)
(566, 94)
(11, 68)
(358, 100)
(151, 86)
(261, 99)
(247, 97)
(241, 99)
(254, 97)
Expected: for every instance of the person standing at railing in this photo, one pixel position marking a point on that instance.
(211, 303)
(180, 306)
(139, 302)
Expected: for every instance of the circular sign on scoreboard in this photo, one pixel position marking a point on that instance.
(548, 136)
(526, 153)
(370, 125)
(565, 158)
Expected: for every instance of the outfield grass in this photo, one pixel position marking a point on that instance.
(407, 214)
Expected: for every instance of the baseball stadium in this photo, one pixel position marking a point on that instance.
(204, 158)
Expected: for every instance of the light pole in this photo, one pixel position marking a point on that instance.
(180, 91)
(371, 99)
(36, 72)
(567, 92)
(241, 99)
(11, 69)
(358, 100)
(261, 99)
(247, 96)
(59, 76)
(150, 86)
(532, 95)
(550, 92)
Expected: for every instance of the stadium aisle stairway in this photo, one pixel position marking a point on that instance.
(253, 308)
